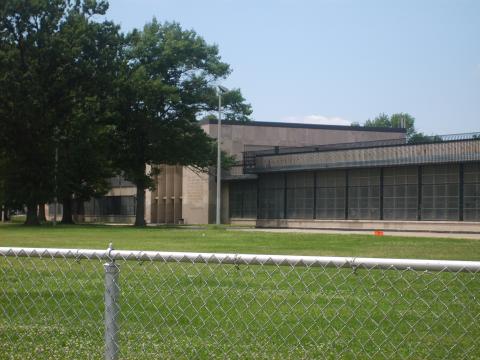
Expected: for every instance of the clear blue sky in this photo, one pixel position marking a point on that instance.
(337, 61)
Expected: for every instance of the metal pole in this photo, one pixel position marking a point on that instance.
(55, 203)
(219, 165)
(248, 259)
(112, 310)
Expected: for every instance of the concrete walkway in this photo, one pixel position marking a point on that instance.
(366, 232)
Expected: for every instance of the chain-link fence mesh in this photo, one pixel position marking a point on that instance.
(193, 306)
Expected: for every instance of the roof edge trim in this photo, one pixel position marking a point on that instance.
(303, 126)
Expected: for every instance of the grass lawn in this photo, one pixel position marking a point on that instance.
(214, 240)
(53, 309)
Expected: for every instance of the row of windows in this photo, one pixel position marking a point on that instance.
(389, 193)
(109, 205)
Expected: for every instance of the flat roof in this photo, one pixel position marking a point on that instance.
(304, 126)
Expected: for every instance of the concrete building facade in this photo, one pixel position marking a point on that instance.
(377, 185)
(316, 176)
(199, 190)
(182, 195)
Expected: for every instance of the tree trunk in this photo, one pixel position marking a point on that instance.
(41, 213)
(140, 208)
(32, 216)
(67, 217)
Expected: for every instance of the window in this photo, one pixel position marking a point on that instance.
(330, 202)
(271, 192)
(110, 205)
(243, 199)
(400, 193)
(471, 192)
(364, 194)
(300, 195)
(440, 192)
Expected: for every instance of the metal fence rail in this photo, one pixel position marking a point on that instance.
(249, 154)
(64, 303)
(408, 154)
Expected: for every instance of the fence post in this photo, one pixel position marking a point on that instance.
(112, 309)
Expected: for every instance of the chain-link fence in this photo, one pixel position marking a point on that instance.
(91, 304)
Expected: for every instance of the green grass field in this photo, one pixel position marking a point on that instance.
(53, 309)
(213, 240)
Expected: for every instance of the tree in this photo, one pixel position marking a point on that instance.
(403, 120)
(21, 101)
(84, 137)
(381, 120)
(394, 121)
(167, 82)
(49, 61)
(420, 137)
(234, 107)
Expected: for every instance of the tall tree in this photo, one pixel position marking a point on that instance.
(168, 82)
(26, 38)
(84, 163)
(46, 51)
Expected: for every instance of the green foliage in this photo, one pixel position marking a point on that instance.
(227, 160)
(27, 85)
(55, 62)
(106, 102)
(419, 138)
(394, 121)
(399, 119)
(167, 81)
(381, 120)
(403, 118)
(234, 107)
(84, 135)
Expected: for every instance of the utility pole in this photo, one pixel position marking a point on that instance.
(221, 90)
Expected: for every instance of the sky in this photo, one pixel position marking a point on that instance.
(339, 61)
